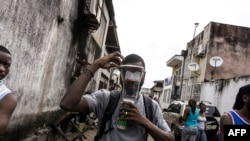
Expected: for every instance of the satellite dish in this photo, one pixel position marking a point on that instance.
(216, 61)
(193, 66)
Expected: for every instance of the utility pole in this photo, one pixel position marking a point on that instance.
(195, 26)
(192, 84)
(184, 55)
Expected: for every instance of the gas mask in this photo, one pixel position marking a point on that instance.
(131, 78)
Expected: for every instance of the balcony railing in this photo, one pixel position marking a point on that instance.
(172, 80)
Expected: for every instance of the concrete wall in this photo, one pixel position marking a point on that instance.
(223, 92)
(232, 44)
(43, 56)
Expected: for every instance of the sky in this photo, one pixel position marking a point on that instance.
(159, 29)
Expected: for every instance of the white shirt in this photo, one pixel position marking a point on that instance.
(201, 122)
(3, 90)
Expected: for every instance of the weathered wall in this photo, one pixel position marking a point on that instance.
(223, 92)
(232, 44)
(43, 54)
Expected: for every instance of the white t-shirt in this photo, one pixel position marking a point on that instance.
(201, 122)
(99, 100)
(3, 90)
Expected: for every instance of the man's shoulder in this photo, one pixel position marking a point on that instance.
(9, 100)
(229, 113)
(152, 101)
(100, 95)
(104, 94)
(226, 118)
(101, 92)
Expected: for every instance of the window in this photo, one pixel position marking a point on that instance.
(175, 108)
(212, 111)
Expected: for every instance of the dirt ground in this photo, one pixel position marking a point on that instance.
(90, 134)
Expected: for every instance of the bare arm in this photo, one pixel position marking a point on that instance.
(7, 107)
(225, 120)
(72, 100)
(186, 112)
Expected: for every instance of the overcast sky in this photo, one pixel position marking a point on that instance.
(159, 29)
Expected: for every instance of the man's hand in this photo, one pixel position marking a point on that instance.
(111, 60)
(72, 100)
(132, 113)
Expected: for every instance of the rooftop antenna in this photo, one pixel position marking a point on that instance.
(195, 26)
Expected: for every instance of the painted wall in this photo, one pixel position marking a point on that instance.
(223, 92)
(39, 35)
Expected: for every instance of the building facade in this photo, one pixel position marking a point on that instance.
(216, 58)
(46, 39)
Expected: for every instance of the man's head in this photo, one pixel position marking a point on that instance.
(133, 59)
(133, 70)
(243, 98)
(5, 61)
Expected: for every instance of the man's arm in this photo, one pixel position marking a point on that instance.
(72, 100)
(7, 107)
(224, 120)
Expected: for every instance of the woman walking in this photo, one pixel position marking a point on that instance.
(202, 123)
(190, 118)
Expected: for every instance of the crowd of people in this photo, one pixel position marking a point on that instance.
(138, 126)
(194, 119)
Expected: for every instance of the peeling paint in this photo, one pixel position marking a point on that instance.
(42, 59)
(221, 84)
(222, 92)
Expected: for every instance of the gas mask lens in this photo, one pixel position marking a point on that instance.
(133, 76)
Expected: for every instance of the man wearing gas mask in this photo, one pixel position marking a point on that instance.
(128, 121)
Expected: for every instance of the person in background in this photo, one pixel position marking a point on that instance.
(190, 119)
(218, 135)
(156, 99)
(7, 99)
(151, 95)
(240, 114)
(135, 112)
(202, 123)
